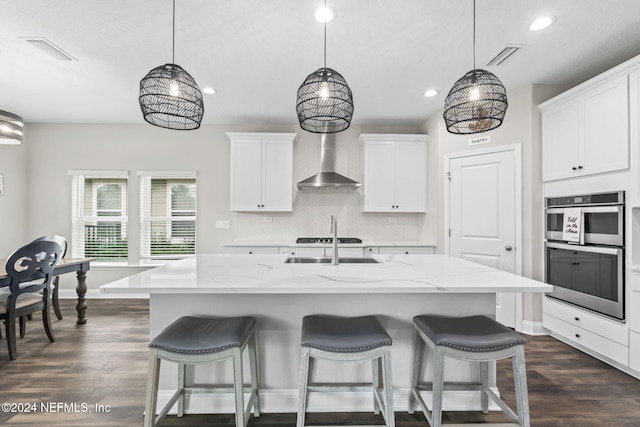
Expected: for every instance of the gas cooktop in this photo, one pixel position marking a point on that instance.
(327, 240)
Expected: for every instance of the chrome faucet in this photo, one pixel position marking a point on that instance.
(334, 230)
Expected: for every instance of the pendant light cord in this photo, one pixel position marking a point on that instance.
(173, 39)
(325, 34)
(474, 34)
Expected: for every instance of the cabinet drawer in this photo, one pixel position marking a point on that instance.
(590, 322)
(634, 323)
(410, 250)
(634, 351)
(603, 346)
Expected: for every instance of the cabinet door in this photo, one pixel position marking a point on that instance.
(379, 176)
(410, 182)
(277, 179)
(246, 174)
(605, 127)
(560, 141)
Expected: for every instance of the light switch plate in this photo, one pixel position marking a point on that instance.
(222, 224)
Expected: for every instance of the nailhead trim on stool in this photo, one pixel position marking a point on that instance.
(349, 339)
(199, 340)
(474, 338)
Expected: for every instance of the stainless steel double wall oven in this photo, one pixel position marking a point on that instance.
(588, 272)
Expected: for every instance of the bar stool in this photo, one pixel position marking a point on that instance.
(348, 339)
(474, 338)
(199, 340)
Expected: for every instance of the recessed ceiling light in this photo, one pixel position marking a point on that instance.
(208, 90)
(430, 92)
(325, 14)
(542, 23)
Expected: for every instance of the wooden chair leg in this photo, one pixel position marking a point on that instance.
(387, 383)
(151, 400)
(238, 382)
(55, 299)
(182, 375)
(304, 381)
(11, 337)
(23, 326)
(375, 367)
(253, 367)
(46, 320)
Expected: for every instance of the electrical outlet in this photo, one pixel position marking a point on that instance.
(268, 219)
(392, 219)
(222, 224)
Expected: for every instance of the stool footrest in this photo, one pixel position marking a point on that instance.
(340, 387)
(450, 386)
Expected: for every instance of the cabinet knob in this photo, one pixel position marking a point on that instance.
(574, 168)
(579, 167)
(406, 252)
(577, 335)
(577, 319)
(508, 248)
(250, 252)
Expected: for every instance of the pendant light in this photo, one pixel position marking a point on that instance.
(325, 101)
(169, 97)
(11, 128)
(477, 102)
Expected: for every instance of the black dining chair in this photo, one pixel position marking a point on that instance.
(30, 271)
(55, 282)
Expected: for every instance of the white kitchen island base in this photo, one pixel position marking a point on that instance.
(279, 318)
(279, 295)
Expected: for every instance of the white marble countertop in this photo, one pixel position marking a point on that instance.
(269, 274)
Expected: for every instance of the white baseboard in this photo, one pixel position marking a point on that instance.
(533, 328)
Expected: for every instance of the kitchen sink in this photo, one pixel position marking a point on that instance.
(327, 260)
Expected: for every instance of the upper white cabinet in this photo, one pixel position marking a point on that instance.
(586, 132)
(261, 171)
(394, 173)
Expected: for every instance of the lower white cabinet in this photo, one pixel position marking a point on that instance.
(634, 350)
(399, 250)
(602, 336)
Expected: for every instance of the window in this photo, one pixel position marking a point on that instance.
(99, 215)
(167, 214)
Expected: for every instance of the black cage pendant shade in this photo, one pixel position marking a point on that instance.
(477, 102)
(325, 101)
(169, 97)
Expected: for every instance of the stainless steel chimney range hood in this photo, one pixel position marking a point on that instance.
(328, 178)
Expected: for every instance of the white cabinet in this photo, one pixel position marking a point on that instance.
(399, 250)
(261, 171)
(394, 173)
(587, 132)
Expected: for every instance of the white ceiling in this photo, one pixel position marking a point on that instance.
(256, 53)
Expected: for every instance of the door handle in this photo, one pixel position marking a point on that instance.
(508, 247)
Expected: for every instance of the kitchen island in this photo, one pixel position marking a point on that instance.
(279, 294)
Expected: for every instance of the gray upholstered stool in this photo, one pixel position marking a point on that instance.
(474, 338)
(350, 339)
(198, 340)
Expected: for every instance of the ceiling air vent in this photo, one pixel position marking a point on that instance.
(505, 54)
(49, 48)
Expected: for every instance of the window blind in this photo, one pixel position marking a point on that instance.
(167, 214)
(99, 215)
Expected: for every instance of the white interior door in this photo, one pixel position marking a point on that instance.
(483, 216)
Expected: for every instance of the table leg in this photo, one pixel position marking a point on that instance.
(81, 290)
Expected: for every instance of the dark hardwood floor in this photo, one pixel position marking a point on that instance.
(104, 363)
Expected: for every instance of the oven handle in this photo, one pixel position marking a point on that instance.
(593, 249)
(589, 209)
